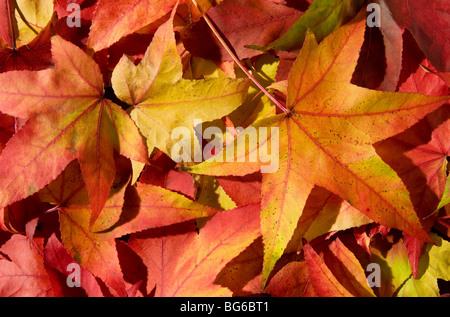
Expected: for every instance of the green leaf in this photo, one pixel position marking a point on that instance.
(322, 17)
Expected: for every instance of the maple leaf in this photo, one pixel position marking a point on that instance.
(446, 195)
(162, 173)
(157, 91)
(242, 274)
(326, 136)
(87, 8)
(68, 118)
(36, 55)
(324, 213)
(4, 28)
(392, 39)
(192, 270)
(357, 171)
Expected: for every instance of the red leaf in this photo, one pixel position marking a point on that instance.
(242, 22)
(293, 280)
(57, 260)
(414, 247)
(428, 23)
(324, 282)
(242, 189)
(192, 269)
(23, 275)
(36, 55)
(161, 172)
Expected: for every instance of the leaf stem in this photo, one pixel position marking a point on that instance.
(237, 61)
(11, 25)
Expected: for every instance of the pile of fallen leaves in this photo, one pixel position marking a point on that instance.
(91, 92)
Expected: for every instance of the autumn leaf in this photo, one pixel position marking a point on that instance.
(322, 17)
(206, 148)
(31, 17)
(423, 149)
(324, 213)
(423, 20)
(346, 266)
(430, 270)
(113, 21)
(36, 55)
(129, 210)
(242, 22)
(380, 61)
(4, 27)
(446, 195)
(157, 91)
(192, 270)
(242, 275)
(399, 281)
(63, 116)
(23, 273)
(323, 280)
(7, 129)
(292, 280)
(330, 126)
(26, 29)
(57, 261)
(87, 8)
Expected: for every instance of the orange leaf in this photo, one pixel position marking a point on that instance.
(68, 118)
(57, 261)
(116, 19)
(292, 280)
(23, 275)
(346, 267)
(186, 264)
(326, 138)
(132, 209)
(324, 282)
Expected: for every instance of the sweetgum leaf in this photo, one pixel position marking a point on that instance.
(322, 17)
(428, 23)
(242, 22)
(23, 274)
(31, 17)
(396, 276)
(191, 271)
(68, 119)
(4, 28)
(323, 280)
(130, 210)
(345, 266)
(114, 20)
(325, 139)
(34, 55)
(292, 280)
(446, 195)
(158, 92)
(56, 261)
(358, 142)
